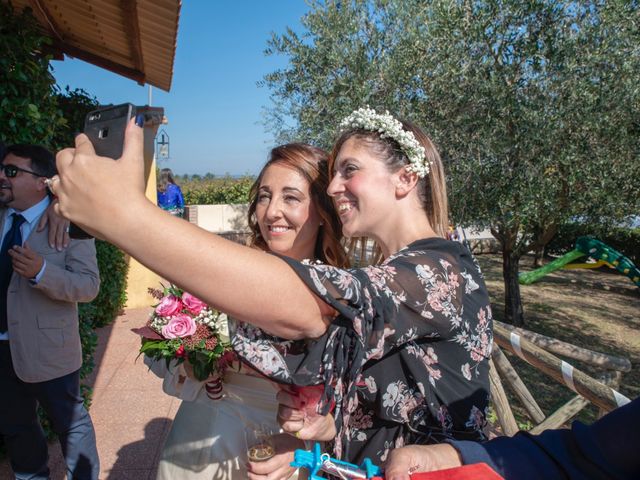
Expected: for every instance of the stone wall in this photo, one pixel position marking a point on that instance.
(230, 221)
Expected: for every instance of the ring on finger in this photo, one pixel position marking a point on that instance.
(49, 181)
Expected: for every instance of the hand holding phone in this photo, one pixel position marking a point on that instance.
(105, 128)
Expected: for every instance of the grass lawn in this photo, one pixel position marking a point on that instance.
(595, 309)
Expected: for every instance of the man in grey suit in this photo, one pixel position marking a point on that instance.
(40, 351)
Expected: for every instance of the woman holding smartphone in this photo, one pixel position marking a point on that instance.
(401, 348)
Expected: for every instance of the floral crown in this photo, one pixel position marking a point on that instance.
(388, 127)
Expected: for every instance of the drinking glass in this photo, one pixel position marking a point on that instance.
(259, 442)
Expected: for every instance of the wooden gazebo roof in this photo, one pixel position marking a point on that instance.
(133, 38)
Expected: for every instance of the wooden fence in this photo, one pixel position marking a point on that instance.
(541, 352)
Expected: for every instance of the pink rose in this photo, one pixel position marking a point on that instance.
(168, 306)
(193, 304)
(180, 325)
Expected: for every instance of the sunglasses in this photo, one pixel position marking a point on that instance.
(11, 171)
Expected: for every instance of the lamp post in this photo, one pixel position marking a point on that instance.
(162, 145)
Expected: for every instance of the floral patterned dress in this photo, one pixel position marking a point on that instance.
(405, 360)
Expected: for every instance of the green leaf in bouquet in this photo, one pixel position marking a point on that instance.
(153, 348)
(173, 290)
(168, 357)
(200, 369)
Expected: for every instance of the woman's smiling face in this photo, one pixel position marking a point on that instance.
(362, 189)
(288, 219)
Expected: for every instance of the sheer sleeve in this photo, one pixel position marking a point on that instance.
(404, 308)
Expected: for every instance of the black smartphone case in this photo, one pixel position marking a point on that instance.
(105, 128)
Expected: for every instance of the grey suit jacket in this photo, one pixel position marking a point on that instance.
(42, 319)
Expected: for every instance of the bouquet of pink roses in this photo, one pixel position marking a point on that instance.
(184, 328)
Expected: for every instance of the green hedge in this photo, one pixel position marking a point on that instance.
(113, 283)
(104, 309)
(624, 240)
(215, 191)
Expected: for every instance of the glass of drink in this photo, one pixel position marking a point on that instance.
(260, 445)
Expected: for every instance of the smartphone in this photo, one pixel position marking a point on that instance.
(105, 128)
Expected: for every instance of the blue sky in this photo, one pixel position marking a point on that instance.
(214, 106)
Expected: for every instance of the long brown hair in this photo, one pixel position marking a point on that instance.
(432, 189)
(165, 178)
(311, 163)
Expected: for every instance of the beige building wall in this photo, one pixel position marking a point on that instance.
(219, 218)
(140, 278)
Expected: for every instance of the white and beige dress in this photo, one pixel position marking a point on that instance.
(207, 437)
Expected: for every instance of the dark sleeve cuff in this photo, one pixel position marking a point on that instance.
(524, 456)
(473, 452)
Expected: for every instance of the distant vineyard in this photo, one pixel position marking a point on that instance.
(210, 190)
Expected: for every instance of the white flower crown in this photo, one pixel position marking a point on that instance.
(388, 127)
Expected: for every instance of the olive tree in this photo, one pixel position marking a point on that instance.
(533, 105)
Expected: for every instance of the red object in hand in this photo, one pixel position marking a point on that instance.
(477, 471)
(307, 398)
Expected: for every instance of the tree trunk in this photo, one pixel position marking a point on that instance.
(538, 255)
(540, 245)
(513, 313)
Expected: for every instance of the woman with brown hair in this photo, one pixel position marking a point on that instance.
(290, 215)
(169, 193)
(401, 347)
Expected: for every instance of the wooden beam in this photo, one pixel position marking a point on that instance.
(49, 22)
(572, 407)
(132, 29)
(101, 62)
(509, 374)
(553, 345)
(562, 415)
(612, 379)
(599, 394)
(501, 403)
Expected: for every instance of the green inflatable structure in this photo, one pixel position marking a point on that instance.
(591, 247)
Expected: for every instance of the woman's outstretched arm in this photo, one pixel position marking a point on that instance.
(106, 197)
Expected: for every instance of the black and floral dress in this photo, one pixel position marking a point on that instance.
(406, 358)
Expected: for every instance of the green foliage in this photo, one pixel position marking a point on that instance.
(32, 108)
(203, 362)
(534, 106)
(112, 297)
(89, 342)
(624, 240)
(73, 105)
(214, 191)
(28, 108)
